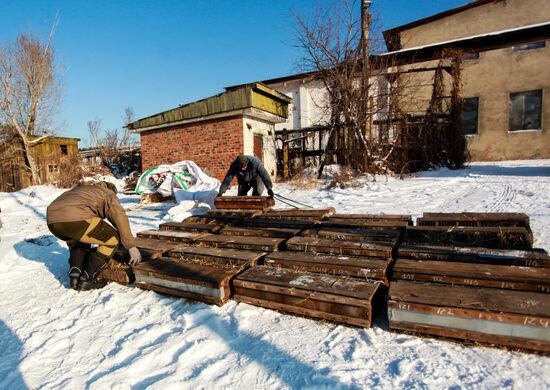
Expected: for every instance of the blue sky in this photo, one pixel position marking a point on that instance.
(153, 55)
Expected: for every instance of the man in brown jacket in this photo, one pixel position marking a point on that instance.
(77, 217)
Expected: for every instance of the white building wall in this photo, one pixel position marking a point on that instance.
(308, 106)
(269, 157)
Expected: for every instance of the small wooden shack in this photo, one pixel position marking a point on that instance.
(47, 150)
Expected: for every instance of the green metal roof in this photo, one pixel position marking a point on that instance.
(255, 95)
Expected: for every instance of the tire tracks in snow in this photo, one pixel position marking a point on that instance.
(504, 199)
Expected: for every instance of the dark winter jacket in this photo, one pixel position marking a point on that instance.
(254, 169)
(85, 202)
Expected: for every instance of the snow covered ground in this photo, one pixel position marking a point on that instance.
(121, 337)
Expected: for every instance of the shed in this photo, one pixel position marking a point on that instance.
(213, 131)
(47, 151)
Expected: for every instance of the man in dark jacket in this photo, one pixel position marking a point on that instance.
(77, 217)
(250, 173)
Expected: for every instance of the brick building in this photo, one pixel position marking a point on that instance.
(213, 131)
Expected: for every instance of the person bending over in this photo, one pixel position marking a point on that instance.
(77, 217)
(250, 173)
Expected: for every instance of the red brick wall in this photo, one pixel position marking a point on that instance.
(212, 145)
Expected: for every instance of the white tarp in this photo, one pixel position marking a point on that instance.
(184, 180)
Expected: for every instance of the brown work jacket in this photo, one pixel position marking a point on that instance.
(85, 202)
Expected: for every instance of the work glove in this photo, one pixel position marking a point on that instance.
(270, 193)
(135, 256)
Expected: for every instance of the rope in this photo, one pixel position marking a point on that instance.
(283, 199)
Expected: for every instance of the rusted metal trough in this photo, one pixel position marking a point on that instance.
(340, 247)
(474, 219)
(529, 258)
(384, 221)
(117, 269)
(349, 301)
(497, 316)
(202, 274)
(361, 267)
(496, 237)
(244, 202)
(172, 235)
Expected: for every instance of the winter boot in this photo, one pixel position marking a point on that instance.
(86, 283)
(78, 252)
(88, 279)
(74, 277)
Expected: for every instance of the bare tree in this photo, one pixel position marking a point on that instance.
(114, 147)
(96, 142)
(333, 46)
(28, 92)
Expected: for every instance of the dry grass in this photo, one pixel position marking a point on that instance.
(73, 172)
(345, 179)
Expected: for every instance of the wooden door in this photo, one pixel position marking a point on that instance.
(259, 146)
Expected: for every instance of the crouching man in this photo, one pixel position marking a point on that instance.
(77, 217)
(251, 174)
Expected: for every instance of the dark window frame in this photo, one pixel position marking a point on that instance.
(521, 120)
(64, 149)
(529, 46)
(471, 56)
(465, 129)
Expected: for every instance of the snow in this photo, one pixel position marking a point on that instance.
(125, 338)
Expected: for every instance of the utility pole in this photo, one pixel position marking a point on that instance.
(365, 24)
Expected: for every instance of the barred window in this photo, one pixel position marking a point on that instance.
(470, 115)
(526, 110)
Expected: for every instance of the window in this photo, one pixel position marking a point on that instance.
(471, 56)
(529, 46)
(64, 150)
(469, 115)
(53, 168)
(525, 110)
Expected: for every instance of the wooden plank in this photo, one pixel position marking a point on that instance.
(474, 219)
(187, 279)
(530, 258)
(469, 274)
(355, 234)
(172, 235)
(233, 213)
(244, 202)
(365, 223)
(227, 257)
(201, 220)
(486, 237)
(339, 247)
(259, 232)
(478, 298)
(474, 325)
(307, 215)
(354, 266)
(275, 223)
(341, 300)
(283, 213)
(266, 244)
(190, 227)
(371, 217)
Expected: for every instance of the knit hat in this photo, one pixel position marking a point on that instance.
(110, 186)
(242, 161)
